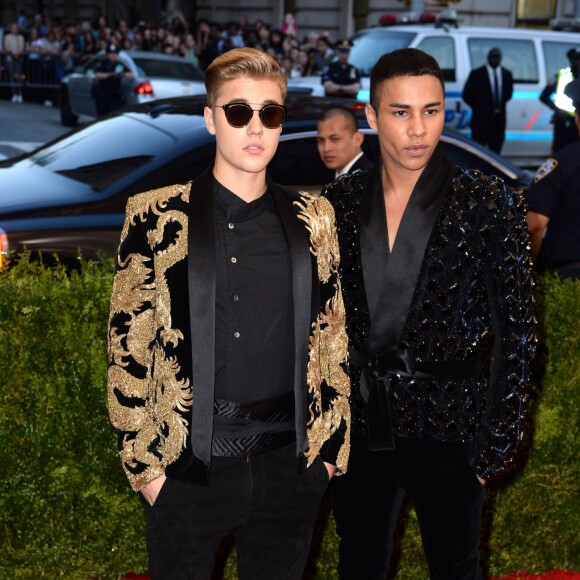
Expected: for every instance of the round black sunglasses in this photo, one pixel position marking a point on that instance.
(240, 114)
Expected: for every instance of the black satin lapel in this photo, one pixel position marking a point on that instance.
(201, 281)
(301, 262)
(408, 252)
(374, 242)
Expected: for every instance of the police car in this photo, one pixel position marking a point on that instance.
(532, 56)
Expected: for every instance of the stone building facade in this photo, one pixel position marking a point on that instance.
(338, 17)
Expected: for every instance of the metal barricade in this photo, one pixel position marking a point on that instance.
(37, 78)
(43, 72)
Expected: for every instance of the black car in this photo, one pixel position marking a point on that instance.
(70, 194)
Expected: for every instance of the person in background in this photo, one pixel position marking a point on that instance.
(108, 93)
(432, 256)
(289, 27)
(554, 204)
(228, 384)
(325, 54)
(14, 46)
(487, 91)
(311, 63)
(341, 79)
(231, 37)
(565, 131)
(340, 142)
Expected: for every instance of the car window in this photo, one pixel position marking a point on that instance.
(518, 56)
(555, 56)
(298, 164)
(442, 49)
(368, 47)
(97, 155)
(168, 69)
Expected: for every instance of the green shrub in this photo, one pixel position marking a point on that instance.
(67, 511)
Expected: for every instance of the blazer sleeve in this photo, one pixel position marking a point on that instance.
(470, 89)
(131, 337)
(509, 283)
(327, 372)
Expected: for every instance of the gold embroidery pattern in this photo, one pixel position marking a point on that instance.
(153, 425)
(318, 215)
(154, 429)
(328, 348)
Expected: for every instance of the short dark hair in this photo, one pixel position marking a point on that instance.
(347, 114)
(405, 62)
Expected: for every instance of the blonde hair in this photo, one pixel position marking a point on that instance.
(242, 62)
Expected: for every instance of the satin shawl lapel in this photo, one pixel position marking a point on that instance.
(404, 264)
(301, 262)
(374, 243)
(201, 280)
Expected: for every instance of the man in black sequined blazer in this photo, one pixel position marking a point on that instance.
(432, 257)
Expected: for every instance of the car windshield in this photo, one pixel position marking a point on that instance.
(168, 69)
(98, 155)
(368, 47)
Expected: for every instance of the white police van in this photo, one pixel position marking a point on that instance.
(532, 56)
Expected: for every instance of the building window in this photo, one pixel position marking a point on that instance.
(536, 10)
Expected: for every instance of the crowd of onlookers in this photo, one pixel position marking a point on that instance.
(199, 41)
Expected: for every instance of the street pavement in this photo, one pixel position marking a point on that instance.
(26, 126)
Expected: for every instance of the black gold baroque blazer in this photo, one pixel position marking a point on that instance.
(162, 332)
(460, 266)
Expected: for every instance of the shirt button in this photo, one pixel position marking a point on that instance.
(233, 259)
(231, 226)
(236, 335)
(236, 297)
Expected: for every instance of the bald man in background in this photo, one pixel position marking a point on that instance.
(340, 142)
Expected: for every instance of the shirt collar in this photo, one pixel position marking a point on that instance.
(348, 166)
(233, 206)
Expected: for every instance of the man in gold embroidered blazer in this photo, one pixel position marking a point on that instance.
(227, 380)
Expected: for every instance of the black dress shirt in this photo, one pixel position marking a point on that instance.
(254, 308)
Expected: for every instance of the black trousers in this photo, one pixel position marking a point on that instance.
(446, 494)
(491, 133)
(269, 507)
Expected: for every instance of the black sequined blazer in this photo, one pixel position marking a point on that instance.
(162, 332)
(460, 266)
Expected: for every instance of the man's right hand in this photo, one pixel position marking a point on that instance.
(152, 489)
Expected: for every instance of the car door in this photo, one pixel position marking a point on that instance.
(80, 88)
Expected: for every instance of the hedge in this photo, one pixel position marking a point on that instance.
(66, 510)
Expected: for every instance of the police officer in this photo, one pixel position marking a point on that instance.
(554, 204)
(341, 79)
(564, 127)
(109, 74)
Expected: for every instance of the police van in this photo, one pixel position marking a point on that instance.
(532, 56)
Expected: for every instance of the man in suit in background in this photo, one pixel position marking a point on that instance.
(339, 142)
(487, 90)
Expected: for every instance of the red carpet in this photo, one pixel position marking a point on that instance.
(550, 575)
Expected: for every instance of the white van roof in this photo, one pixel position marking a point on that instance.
(485, 31)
